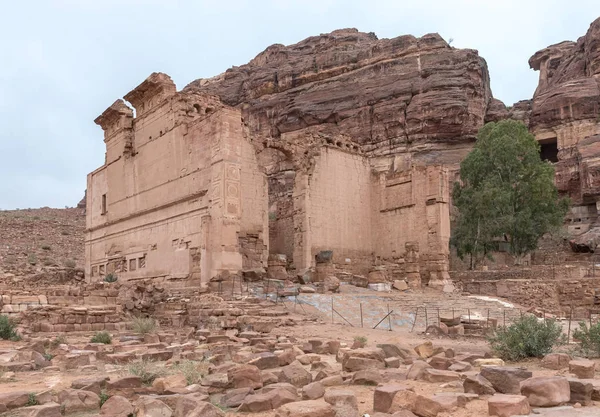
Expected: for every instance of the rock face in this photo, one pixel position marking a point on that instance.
(564, 119)
(406, 93)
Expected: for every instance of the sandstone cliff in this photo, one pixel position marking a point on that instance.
(402, 95)
(564, 116)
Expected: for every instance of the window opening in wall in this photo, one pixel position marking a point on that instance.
(94, 271)
(102, 269)
(142, 262)
(549, 150)
(132, 264)
(103, 204)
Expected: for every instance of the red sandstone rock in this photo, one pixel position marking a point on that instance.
(432, 405)
(478, 385)
(149, 407)
(116, 406)
(506, 380)
(508, 405)
(406, 89)
(556, 361)
(546, 391)
(245, 376)
(295, 374)
(383, 396)
(310, 408)
(583, 368)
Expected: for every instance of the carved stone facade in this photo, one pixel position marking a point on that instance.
(342, 142)
(179, 189)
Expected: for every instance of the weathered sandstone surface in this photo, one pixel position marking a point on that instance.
(405, 94)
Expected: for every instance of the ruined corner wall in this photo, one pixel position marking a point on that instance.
(179, 193)
(339, 205)
(413, 206)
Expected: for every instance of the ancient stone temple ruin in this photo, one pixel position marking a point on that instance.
(342, 142)
(179, 192)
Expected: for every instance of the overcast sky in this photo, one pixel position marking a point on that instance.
(62, 62)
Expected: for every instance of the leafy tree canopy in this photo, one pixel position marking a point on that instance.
(506, 192)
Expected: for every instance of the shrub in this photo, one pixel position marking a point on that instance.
(192, 370)
(101, 337)
(31, 399)
(58, 340)
(103, 397)
(69, 263)
(360, 341)
(110, 278)
(46, 247)
(589, 339)
(8, 328)
(32, 259)
(526, 337)
(143, 325)
(148, 371)
(48, 356)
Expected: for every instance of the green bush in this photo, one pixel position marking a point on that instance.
(101, 337)
(31, 400)
(69, 263)
(32, 259)
(526, 337)
(110, 278)
(589, 339)
(8, 328)
(46, 247)
(143, 325)
(103, 397)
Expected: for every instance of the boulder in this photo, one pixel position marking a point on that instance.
(432, 405)
(583, 368)
(44, 410)
(313, 391)
(488, 362)
(233, 398)
(331, 283)
(15, 399)
(416, 370)
(502, 405)
(438, 376)
(477, 384)
(311, 408)
(366, 377)
(265, 360)
(266, 401)
(400, 285)
(440, 362)
(394, 350)
(244, 376)
(295, 374)
(546, 391)
(581, 391)
(365, 358)
(72, 401)
(425, 350)
(506, 380)
(149, 407)
(556, 361)
(383, 396)
(116, 406)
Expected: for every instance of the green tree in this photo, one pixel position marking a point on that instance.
(506, 192)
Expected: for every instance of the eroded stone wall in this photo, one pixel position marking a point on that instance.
(340, 212)
(180, 185)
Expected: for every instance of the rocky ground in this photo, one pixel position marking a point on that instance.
(34, 241)
(314, 368)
